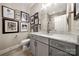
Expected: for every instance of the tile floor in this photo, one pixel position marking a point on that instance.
(18, 52)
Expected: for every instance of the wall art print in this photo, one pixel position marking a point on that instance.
(25, 17)
(24, 26)
(10, 26)
(7, 12)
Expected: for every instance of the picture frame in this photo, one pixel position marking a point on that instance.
(36, 18)
(25, 17)
(24, 27)
(10, 26)
(17, 15)
(35, 27)
(32, 20)
(31, 27)
(36, 15)
(8, 12)
(36, 21)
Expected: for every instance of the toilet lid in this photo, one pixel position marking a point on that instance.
(25, 40)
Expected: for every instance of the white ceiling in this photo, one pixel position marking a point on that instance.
(53, 7)
(57, 7)
(19, 6)
(27, 6)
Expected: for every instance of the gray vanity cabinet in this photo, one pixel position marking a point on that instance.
(38, 46)
(43, 46)
(42, 49)
(32, 46)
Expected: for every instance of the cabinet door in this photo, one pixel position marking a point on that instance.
(56, 52)
(68, 47)
(32, 46)
(42, 49)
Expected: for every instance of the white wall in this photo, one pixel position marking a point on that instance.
(8, 40)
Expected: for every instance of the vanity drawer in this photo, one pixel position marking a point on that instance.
(40, 38)
(56, 52)
(33, 36)
(70, 48)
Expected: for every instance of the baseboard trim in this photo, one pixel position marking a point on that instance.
(9, 49)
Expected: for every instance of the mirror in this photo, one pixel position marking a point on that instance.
(57, 17)
(56, 8)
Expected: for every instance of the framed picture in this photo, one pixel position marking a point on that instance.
(24, 26)
(36, 21)
(7, 12)
(35, 28)
(32, 20)
(10, 26)
(36, 15)
(24, 16)
(31, 27)
(17, 15)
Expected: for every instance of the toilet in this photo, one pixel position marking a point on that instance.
(25, 44)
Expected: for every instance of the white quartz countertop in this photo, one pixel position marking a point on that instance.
(70, 38)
